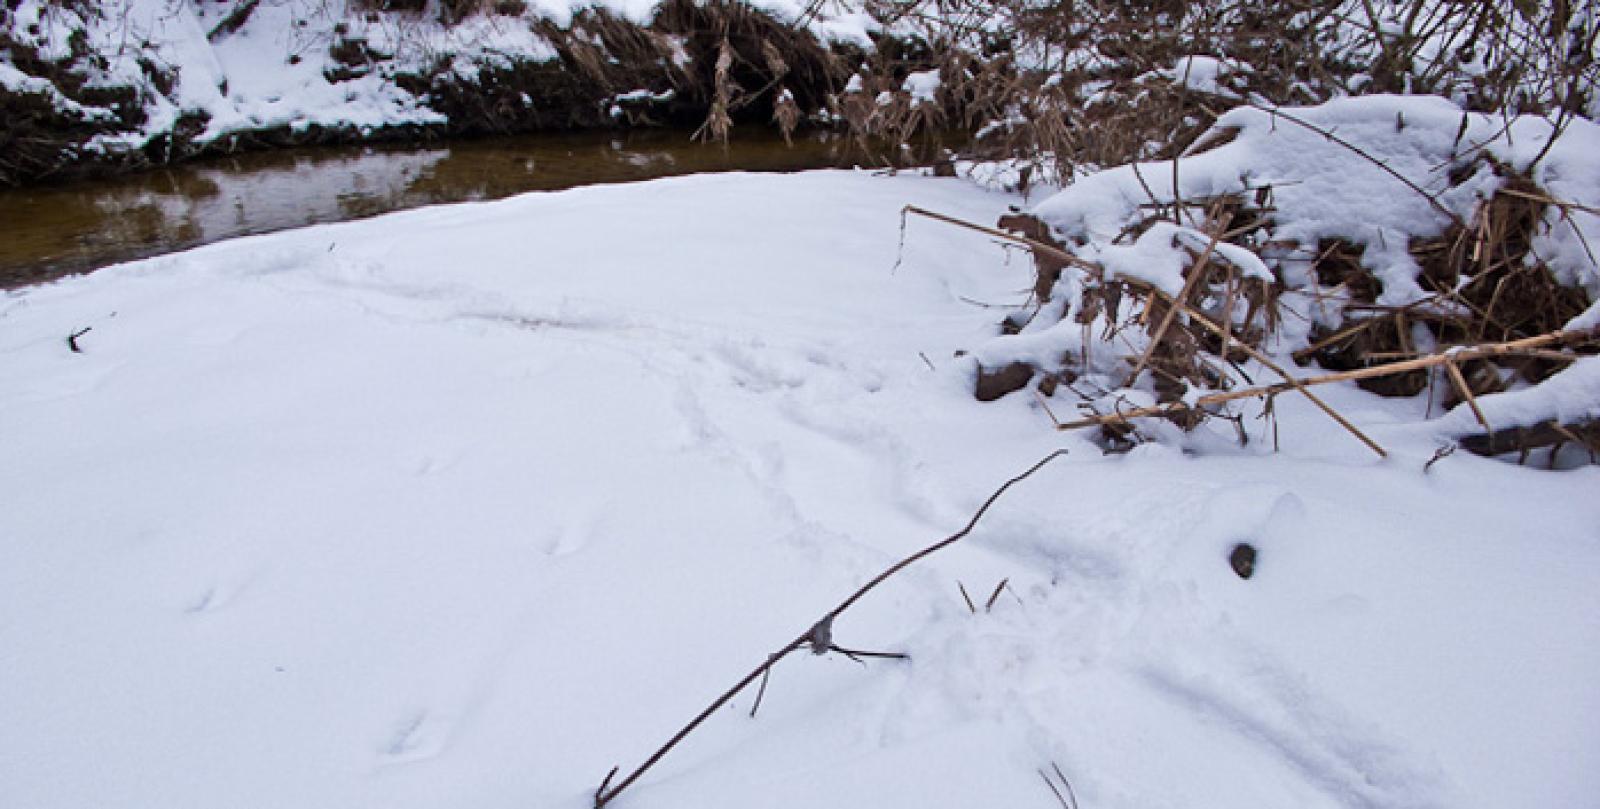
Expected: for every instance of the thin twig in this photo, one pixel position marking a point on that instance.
(603, 797)
(967, 598)
(857, 653)
(1052, 786)
(760, 692)
(1443, 452)
(995, 596)
(1065, 783)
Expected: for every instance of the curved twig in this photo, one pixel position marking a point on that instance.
(603, 797)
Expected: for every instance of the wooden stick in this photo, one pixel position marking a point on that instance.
(1298, 385)
(1476, 352)
(1466, 392)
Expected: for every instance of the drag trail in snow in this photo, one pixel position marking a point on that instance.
(464, 506)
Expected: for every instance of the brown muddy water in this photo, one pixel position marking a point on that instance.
(50, 231)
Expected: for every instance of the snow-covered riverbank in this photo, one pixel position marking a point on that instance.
(146, 82)
(464, 506)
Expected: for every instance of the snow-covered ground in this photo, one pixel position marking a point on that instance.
(465, 505)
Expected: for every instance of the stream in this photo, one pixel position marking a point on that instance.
(54, 230)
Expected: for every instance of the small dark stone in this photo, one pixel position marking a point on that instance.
(1243, 560)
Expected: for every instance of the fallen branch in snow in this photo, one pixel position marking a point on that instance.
(1461, 355)
(819, 637)
(72, 339)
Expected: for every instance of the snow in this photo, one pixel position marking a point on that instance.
(1570, 397)
(1204, 74)
(16, 81)
(923, 87)
(466, 505)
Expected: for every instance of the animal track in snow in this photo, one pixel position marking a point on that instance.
(417, 737)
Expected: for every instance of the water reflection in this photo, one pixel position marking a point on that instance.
(51, 231)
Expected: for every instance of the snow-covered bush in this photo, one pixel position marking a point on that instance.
(1353, 233)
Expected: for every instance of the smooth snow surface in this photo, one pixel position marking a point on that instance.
(461, 507)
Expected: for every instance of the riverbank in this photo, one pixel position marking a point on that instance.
(90, 88)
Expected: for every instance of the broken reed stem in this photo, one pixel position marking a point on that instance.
(1196, 270)
(1476, 352)
(1563, 204)
(1047, 249)
(603, 797)
(1466, 392)
(1339, 336)
(1275, 368)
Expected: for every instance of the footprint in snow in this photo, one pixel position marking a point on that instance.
(417, 737)
(220, 594)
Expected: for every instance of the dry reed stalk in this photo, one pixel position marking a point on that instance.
(1458, 355)
(1053, 252)
(1274, 367)
(1465, 390)
(1303, 354)
(1196, 271)
(1548, 200)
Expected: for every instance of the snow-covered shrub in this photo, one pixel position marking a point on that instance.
(1353, 233)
